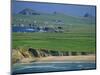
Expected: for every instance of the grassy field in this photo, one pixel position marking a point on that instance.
(51, 19)
(79, 33)
(55, 41)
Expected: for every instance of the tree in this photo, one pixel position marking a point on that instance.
(55, 12)
(60, 28)
(86, 15)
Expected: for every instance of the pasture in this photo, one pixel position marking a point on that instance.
(79, 32)
(55, 41)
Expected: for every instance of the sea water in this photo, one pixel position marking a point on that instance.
(51, 67)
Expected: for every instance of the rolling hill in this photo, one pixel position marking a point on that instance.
(79, 32)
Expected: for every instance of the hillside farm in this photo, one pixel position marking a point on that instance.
(53, 31)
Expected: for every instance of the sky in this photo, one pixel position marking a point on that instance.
(68, 9)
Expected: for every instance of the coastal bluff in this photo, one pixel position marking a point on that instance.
(32, 54)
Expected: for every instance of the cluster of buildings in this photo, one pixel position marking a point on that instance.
(35, 28)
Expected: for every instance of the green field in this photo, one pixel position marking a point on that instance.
(79, 33)
(55, 41)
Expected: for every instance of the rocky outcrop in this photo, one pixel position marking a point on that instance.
(34, 52)
(20, 55)
(45, 53)
(16, 56)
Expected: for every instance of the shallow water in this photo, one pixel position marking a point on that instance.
(51, 67)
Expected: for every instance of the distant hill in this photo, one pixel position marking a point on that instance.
(29, 16)
(28, 11)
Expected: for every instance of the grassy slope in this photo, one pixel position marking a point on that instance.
(81, 35)
(50, 17)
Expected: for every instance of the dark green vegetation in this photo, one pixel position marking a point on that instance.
(79, 33)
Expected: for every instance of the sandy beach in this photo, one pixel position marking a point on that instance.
(89, 58)
(69, 58)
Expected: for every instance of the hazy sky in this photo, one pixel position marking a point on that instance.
(77, 10)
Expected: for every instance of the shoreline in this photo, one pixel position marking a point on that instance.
(67, 59)
(72, 58)
(61, 59)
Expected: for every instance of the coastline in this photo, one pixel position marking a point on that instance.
(70, 58)
(60, 59)
(67, 59)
